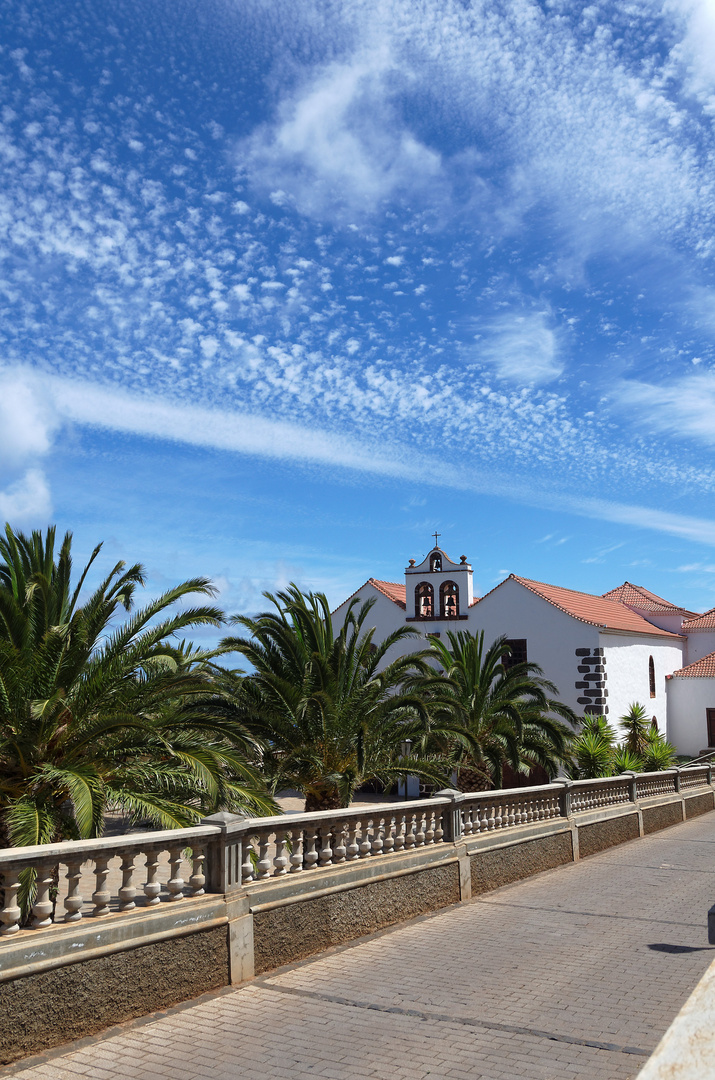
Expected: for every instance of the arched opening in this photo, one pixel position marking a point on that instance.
(435, 563)
(449, 600)
(424, 601)
(651, 676)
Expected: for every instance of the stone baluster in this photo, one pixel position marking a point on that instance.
(353, 842)
(264, 861)
(482, 816)
(127, 890)
(420, 828)
(175, 884)
(281, 860)
(10, 914)
(429, 831)
(326, 851)
(378, 837)
(152, 887)
(73, 900)
(101, 895)
(311, 855)
(388, 845)
(296, 857)
(410, 830)
(197, 881)
(468, 820)
(400, 833)
(340, 847)
(248, 869)
(43, 905)
(497, 816)
(366, 842)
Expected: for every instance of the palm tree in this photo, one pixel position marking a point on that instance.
(330, 718)
(94, 714)
(636, 725)
(493, 713)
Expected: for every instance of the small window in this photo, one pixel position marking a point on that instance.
(435, 563)
(518, 652)
(651, 676)
(449, 600)
(424, 601)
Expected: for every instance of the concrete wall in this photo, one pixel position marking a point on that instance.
(687, 701)
(700, 643)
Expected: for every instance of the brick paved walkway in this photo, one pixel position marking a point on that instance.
(575, 973)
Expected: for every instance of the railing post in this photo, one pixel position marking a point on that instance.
(452, 826)
(632, 785)
(677, 780)
(565, 796)
(224, 875)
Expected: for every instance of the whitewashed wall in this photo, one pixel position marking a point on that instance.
(700, 643)
(687, 701)
(627, 670)
(552, 636)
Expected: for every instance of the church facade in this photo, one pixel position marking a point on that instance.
(601, 652)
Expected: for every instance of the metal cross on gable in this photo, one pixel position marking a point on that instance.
(436, 538)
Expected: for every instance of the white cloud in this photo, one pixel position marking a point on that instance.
(338, 142)
(27, 500)
(522, 348)
(26, 421)
(684, 408)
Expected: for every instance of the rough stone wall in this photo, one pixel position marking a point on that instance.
(604, 834)
(490, 869)
(54, 1007)
(699, 804)
(591, 681)
(660, 817)
(283, 935)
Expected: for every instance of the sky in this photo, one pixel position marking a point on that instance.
(285, 288)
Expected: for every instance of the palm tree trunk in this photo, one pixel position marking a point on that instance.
(322, 797)
(471, 778)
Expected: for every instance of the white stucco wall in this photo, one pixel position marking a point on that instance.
(552, 636)
(627, 672)
(386, 617)
(700, 643)
(687, 701)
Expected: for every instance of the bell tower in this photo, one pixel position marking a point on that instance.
(438, 590)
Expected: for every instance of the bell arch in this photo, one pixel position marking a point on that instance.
(449, 600)
(424, 600)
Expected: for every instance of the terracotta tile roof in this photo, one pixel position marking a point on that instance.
(392, 590)
(596, 610)
(700, 622)
(701, 669)
(637, 596)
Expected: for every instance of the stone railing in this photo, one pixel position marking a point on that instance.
(135, 872)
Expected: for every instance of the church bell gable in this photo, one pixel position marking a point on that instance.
(438, 589)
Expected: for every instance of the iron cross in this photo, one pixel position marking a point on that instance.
(436, 538)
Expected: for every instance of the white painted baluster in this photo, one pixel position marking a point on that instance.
(353, 842)
(42, 908)
(101, 895)
(366, 843)
(378, 836)
(197, 881)
(175, 884)
(326, 851)
(152, 887)
(264, 862)
(10, 914)
(389, 839)
(340, 849)
(311, 855)
(281, 860)
(73, 900)
(248, 870)
(127, 891)
(296, 858)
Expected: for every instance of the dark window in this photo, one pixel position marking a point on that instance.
(710, 716)
(518, 652)
(424, 601)
(651, 676)
(449, 600)
(435, 563)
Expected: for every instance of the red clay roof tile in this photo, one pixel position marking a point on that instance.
(701, 669)
(700, 622)
(637, 596)
(596, 610)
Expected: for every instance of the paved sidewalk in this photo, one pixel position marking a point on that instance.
(575, 973)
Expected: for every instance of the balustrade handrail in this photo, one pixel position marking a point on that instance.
(107, 845)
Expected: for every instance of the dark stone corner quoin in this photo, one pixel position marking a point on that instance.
(152, 959)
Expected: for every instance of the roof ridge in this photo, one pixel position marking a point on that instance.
(707, 662)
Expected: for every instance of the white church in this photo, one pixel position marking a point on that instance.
(601, 652)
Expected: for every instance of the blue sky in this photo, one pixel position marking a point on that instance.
(284, 288)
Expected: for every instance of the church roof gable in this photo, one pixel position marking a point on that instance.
(700, 669)
(700, 622)
(638, 597)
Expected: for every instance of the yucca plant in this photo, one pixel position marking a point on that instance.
(659, 753)
(635, 725)
(593, 749)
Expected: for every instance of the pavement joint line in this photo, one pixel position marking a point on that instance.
(589, 914)
(466, 1021)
